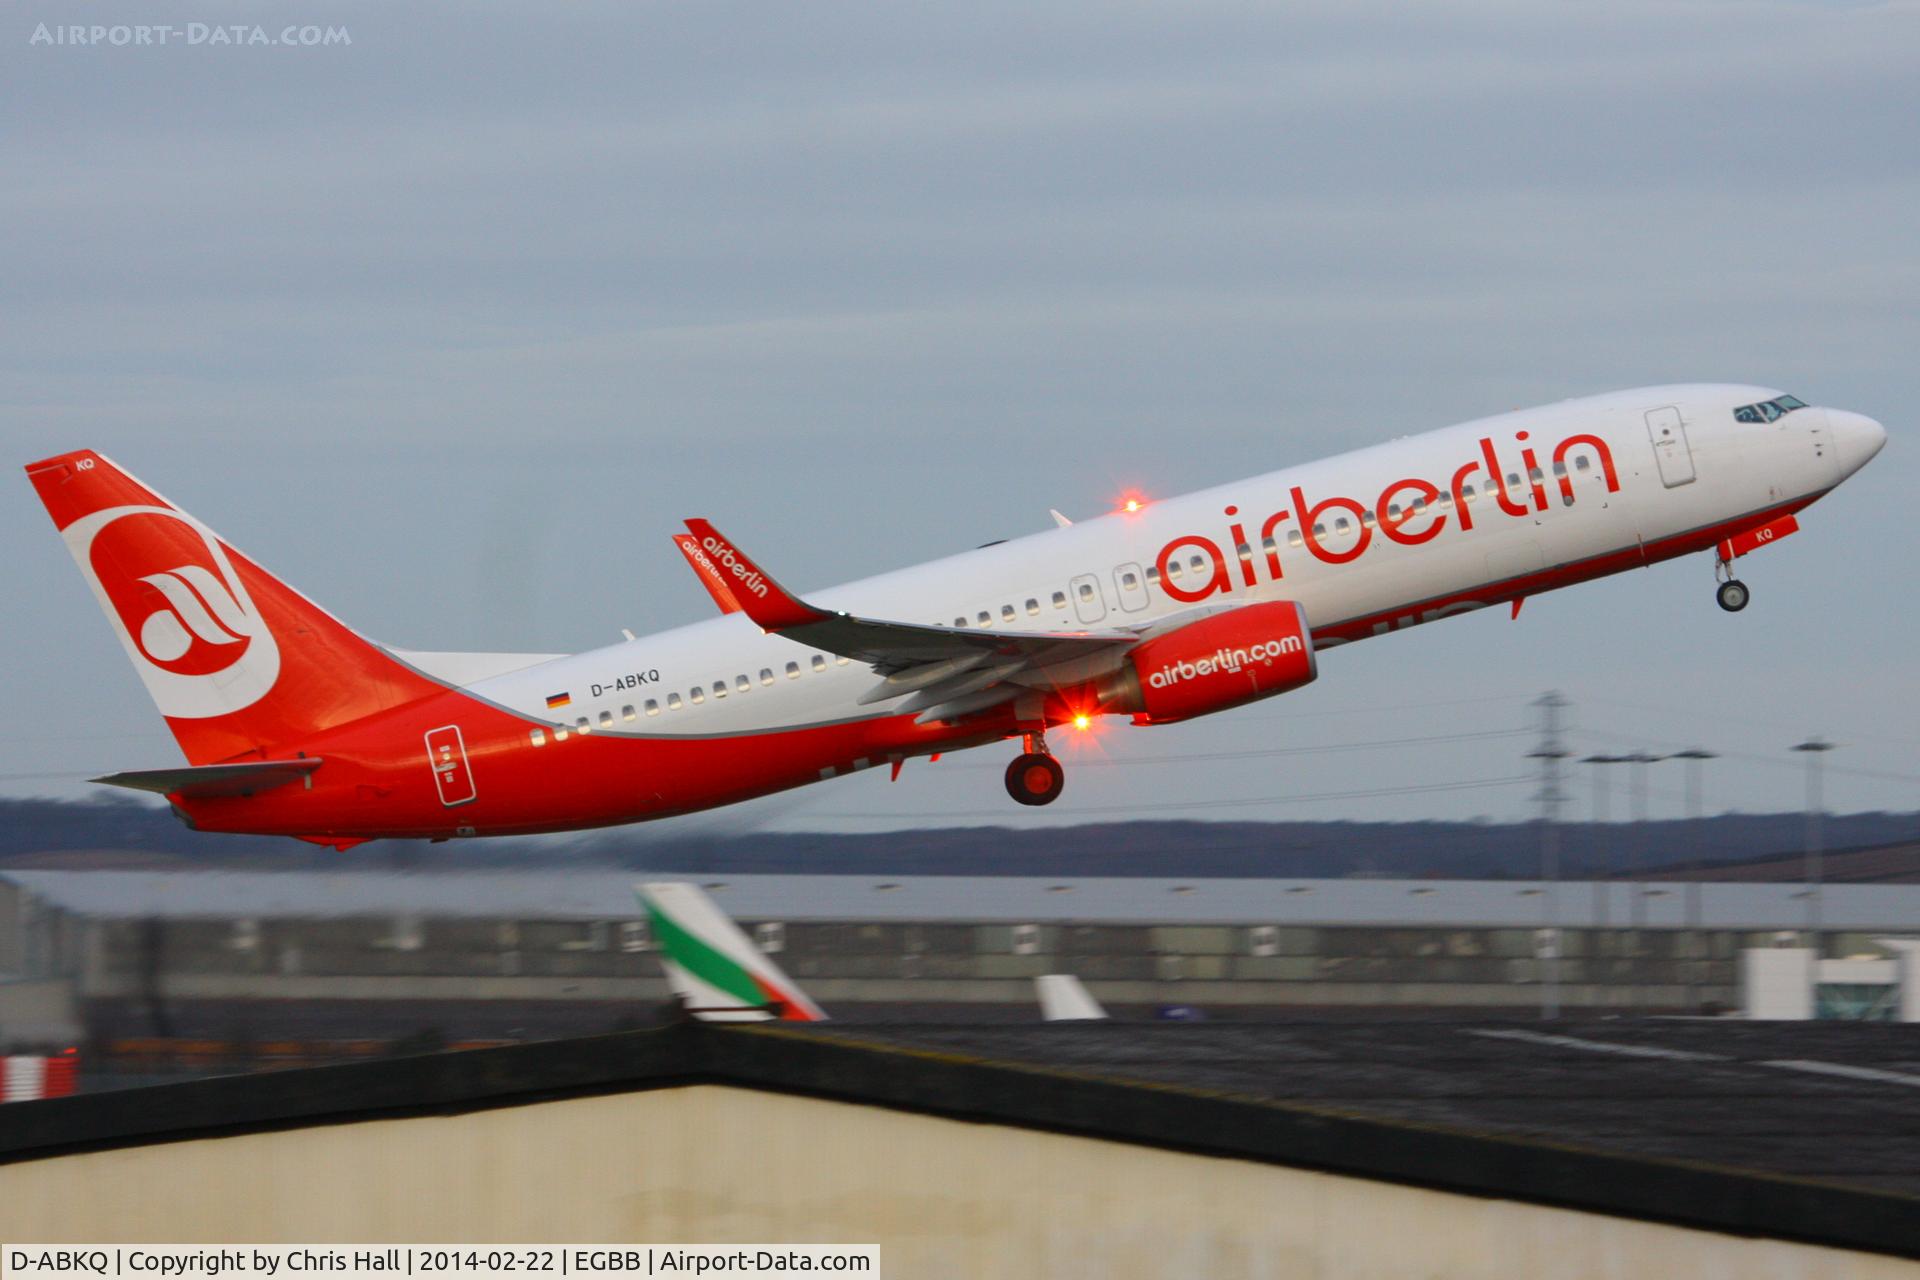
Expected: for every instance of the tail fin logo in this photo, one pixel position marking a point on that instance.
(180, 607)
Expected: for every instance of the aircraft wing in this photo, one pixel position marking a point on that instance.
(948, 671)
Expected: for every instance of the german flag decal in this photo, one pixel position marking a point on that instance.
(557, 700)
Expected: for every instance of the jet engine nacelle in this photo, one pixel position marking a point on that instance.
(1215, 663)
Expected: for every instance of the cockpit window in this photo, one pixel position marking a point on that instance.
(1768, 410)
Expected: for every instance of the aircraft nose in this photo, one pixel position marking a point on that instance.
(1857, 438)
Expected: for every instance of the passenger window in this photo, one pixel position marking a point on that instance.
(1006, 613)
(1293, 537)
(1319, 531)
(984, 618)
(1033, 608)
(583, 725)
(1533, 474)
(673, 702)
(1197, 563)
(1419, 506)
(959, 622)
(1153, 574)
(1583, 463)
(538, 737)
(1559, 468)
(1513, 480)
(696, 695)
(1086, 591)
(819, 662)
(766, 675)
(628, 713)
(1342, 525)
(559, 733)
(1366, 519)
(1466, 493)
(741, 684)
(793, 671)
(842, 661)
(653, 708)
(719, 688)
(1059, 599)
(1130, 580)
(1268, 545)
(606, 719)
(1393, 508)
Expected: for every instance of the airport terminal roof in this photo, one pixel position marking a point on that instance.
(608, 895)
(1801, 1131)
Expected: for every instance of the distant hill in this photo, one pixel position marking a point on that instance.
(126, 833)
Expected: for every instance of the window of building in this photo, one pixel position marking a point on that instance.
(538, 737)
(633, 936)
(770, 936)
(1026, 939)
(1264, 940)
(245, 935)
(653, 707)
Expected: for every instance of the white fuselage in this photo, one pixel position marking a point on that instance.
(1105, 572)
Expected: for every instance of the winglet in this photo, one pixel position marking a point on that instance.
(708, 573)
(771, 606)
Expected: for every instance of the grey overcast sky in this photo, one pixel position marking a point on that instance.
(451, 325)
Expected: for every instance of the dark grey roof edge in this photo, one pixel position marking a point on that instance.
(1736, 1201)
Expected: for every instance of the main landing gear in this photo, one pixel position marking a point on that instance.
(1732, 594)
(1035, 777)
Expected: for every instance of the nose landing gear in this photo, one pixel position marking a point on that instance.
(1035, 777)
(1732, 594)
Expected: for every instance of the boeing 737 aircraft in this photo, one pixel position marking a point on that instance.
(293, 724)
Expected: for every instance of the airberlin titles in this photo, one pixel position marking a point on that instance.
(1408, 512)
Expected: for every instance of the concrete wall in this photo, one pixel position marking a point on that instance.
(943, 1198)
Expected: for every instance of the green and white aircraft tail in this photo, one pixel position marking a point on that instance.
(718, 974)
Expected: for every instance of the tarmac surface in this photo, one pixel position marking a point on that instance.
(1836, 1102)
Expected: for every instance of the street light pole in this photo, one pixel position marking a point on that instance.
(1603, 865)
(1814, 748)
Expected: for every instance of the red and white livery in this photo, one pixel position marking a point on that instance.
(293, 723)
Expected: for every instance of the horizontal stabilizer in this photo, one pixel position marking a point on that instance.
(195, 782)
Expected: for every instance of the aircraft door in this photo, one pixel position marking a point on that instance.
(1130, 584)
(447, 755)
(1088, 600)
(1671, 452)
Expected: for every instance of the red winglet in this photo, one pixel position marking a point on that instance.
(770, 605)
(707, 571)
